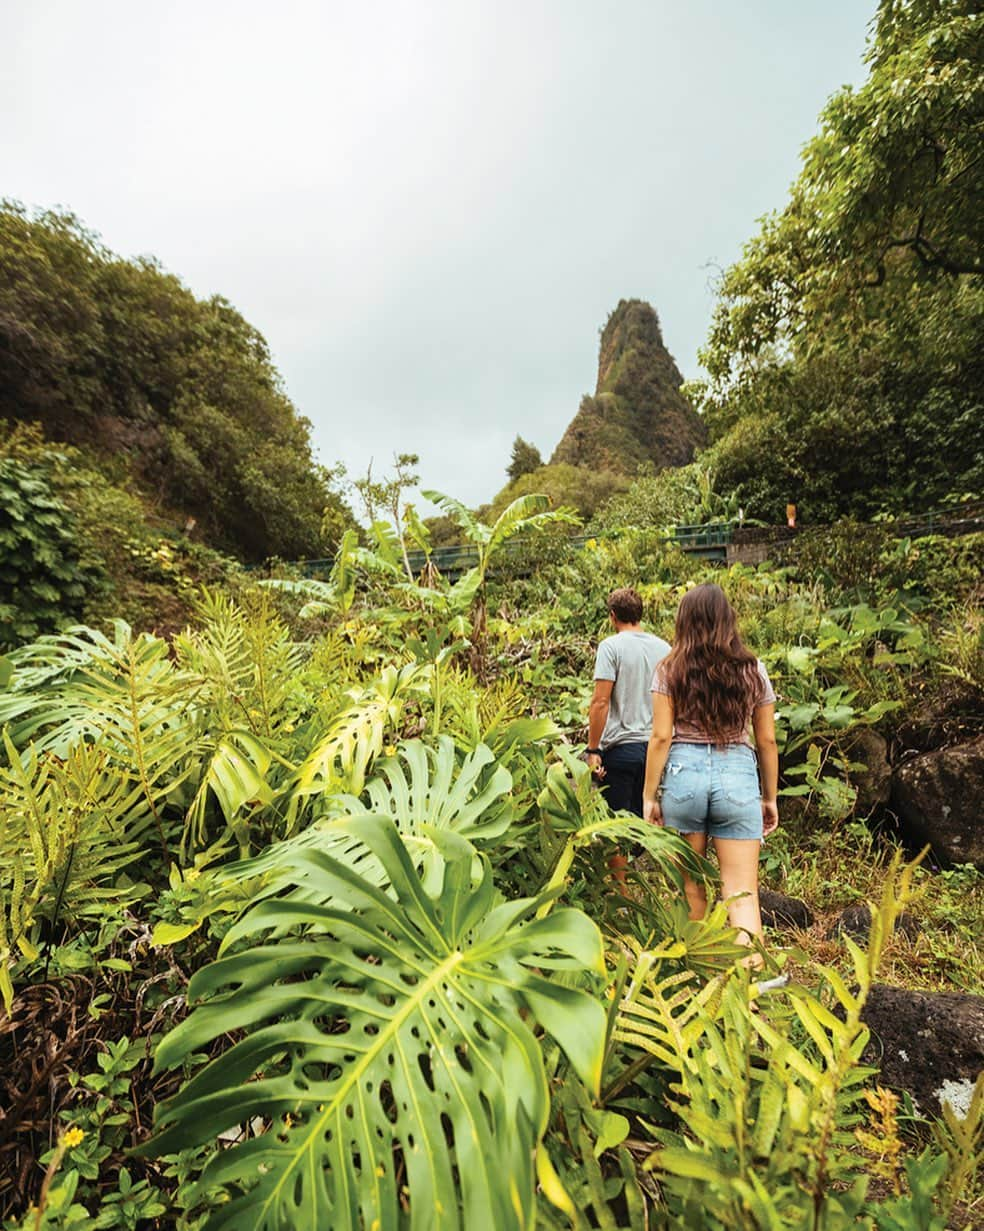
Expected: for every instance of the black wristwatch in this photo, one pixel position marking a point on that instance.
(594, 752)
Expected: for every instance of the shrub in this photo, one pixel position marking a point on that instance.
(43, 583)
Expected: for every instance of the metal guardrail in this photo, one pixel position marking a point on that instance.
(963, 518)
(709, 541)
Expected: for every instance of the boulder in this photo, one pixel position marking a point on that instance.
(938, 800)
(928, 1043)
(779, 911)
(855, 921)
(874, 781)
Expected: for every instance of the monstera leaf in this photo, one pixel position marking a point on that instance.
(441, 801)
(388, 1043)
(426, 792)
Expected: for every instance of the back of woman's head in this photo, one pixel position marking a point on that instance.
(712, 678)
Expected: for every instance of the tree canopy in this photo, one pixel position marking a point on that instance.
(524, 459)
(120, 357)
(844, 355)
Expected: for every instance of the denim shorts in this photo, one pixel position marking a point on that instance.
(712, 789)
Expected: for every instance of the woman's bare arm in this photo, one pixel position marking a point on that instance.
(764, 726)
(659, 747)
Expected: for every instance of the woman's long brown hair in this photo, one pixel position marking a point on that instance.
(712, 678)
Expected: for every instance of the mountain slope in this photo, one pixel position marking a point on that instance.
(175, 397)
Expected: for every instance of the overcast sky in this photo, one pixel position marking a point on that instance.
(428, 208)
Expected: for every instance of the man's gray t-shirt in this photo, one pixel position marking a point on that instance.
(629, 659)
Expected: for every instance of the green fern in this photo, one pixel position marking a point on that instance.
(68, 828)
(765, 1138)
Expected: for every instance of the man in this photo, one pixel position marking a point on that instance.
(620, 716)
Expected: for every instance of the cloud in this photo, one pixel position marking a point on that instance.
(428, 208)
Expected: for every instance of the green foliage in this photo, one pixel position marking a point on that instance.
(121, 357)
(428, 1075)
(70, 827)
(283, 819)
(42, 583)
(764, 1106)
(577, 487)
(95, 1128)
(844, 356)
(683, 496)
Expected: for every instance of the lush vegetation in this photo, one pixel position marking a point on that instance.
(174, 396)
(314, 903)
(306, 914)
(844, 359)
(74, 545)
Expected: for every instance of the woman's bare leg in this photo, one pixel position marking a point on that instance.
(695, 891)
(739, 860)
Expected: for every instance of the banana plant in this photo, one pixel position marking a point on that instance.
(389, 1045)
(526, 514)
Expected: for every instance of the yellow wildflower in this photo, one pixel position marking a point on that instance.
(73, 1138)
(192, 874)
(390, 750)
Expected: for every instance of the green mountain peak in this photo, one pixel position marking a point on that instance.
(637, 414)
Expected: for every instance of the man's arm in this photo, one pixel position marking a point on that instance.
(597, 717)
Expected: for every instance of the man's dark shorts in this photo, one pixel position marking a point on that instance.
(625, 774)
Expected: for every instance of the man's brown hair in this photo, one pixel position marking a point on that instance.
(625, 605)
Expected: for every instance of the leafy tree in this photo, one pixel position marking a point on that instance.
(120, 357)
(577, 487)
(524, 460)
(687, 495)
(844, 356)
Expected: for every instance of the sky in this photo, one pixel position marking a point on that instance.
(429, 209)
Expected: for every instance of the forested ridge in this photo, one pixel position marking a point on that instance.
(307, 916)
(175, 395)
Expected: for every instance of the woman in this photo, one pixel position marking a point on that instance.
(706, 693)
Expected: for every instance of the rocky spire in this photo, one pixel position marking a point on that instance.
(638, 414)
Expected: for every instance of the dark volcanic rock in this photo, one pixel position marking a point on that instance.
(938, 797)
(855, 921)
(638, 414)
(778, 911)
(874, 782)
(929, 1043)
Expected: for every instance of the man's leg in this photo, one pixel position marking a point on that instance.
(625, 772)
